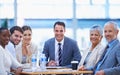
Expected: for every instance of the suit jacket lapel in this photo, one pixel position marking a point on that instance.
(64, 49)
(110, 50)
(53, 49)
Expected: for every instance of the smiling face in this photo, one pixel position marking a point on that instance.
(110, 32)
(59, 32)
(16, 37)
(4, 37)
(27, 34)
(95, 37)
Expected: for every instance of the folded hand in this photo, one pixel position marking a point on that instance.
(52, 63)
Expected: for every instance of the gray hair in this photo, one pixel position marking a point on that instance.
(98, 28)
(115, 25)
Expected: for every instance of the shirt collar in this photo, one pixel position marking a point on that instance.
(12, 43)
(62, 42)
(112, 42)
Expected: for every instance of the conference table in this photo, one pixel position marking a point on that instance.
(54, 71)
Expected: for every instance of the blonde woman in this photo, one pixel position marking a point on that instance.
(26, 48)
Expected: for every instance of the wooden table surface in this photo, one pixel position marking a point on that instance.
(57, 71)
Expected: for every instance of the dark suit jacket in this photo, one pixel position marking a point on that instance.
(111, 64)
(70, 51)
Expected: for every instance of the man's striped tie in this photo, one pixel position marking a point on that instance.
(59, 54)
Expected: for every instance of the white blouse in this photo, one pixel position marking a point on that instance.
(7, 61)
(94, 56)
(32, 47)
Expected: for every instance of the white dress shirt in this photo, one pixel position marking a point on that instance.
(7, 61)
(11, 48)
(56, 50)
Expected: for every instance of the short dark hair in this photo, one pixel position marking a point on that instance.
(59, 23)
(16, 28)
(3, 28)
(25, 27)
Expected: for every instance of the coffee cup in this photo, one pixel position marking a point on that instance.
(74, 65)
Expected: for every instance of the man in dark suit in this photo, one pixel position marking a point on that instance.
(68, 47)
(110, 62)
